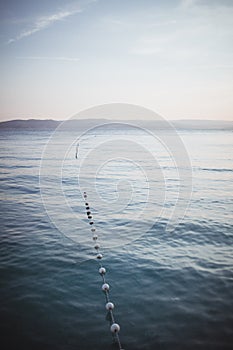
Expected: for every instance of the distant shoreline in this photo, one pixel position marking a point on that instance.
(40, 124)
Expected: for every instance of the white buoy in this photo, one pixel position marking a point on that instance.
(115, 328)
(102, 271)
(105, 287)
(109, 306)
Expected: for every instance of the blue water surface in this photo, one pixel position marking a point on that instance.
(171, 290)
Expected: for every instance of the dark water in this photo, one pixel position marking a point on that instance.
(172, 290)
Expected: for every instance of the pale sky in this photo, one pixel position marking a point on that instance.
(173, 56)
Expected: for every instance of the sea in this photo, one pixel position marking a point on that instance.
(162, 208)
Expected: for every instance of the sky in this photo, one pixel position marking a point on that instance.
(173, 56)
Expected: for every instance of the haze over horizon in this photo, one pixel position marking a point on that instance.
(115, 120)
(61, 57)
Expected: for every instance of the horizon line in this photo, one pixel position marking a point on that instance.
(120, 120)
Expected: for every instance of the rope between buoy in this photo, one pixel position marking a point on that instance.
(115, 328)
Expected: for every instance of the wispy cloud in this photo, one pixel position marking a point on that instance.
(44, 22)
(49, 58)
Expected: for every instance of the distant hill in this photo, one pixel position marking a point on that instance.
(81, 124)
(30, 124)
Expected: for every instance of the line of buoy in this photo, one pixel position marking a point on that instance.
(115, 327)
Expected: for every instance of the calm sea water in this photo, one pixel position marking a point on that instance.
(171, 289)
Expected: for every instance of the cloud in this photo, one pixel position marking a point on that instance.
(44, 22)
(56, 58)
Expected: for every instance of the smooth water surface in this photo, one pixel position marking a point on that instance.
(172, 290)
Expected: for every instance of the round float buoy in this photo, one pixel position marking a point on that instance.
(105, 287)
(102, 271)
(115, 328)
(109, 306)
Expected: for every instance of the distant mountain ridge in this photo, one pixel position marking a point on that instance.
(30, 124)
(39, 124)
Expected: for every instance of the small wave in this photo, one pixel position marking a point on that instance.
(220, 170)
